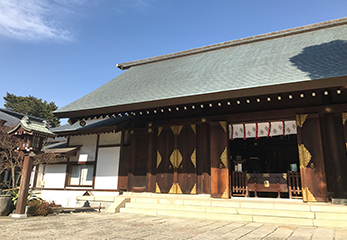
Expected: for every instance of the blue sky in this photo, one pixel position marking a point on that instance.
(60, 50)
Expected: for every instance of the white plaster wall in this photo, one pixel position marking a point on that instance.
(64, 198)
(67, 198)
(39, 176)
(32, 176)
(110, 138)
(54, 176)
(87, 151)
(107, 168)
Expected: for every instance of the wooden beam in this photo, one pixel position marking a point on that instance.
(264, 115)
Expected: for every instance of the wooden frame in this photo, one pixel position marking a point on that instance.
(239, 184)
(294, 184)
(77, 164)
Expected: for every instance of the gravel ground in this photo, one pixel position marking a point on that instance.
(130, 226)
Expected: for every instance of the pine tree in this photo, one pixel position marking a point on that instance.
(32, 106)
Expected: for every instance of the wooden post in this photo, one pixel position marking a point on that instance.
(151, 161)
(334, 154)
(312, 169)
(344, 122)
(123, 165)
(219, 160)
(131, 163)
(24, 186)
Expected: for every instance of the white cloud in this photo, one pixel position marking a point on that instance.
(29, 20)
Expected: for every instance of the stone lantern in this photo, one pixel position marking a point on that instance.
(31, 134)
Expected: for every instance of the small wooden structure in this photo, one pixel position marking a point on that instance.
(32, 135)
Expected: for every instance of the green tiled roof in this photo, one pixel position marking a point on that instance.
(40, 128)
(12, 118)
(306, 57)
(92, 126)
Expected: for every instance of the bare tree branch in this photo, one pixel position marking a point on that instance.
(12, 160)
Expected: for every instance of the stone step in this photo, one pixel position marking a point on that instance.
(231, 203)
(159, 195)
(301, 221)
(228, 210)
(277, 205)
(330, 223)
(329, 208)
(285, 212)
(188, 214)
(222, 216)
(331, 216)
(167, 207)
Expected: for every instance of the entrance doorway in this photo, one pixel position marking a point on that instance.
(265, 166)
(265, 155)
(176, 159)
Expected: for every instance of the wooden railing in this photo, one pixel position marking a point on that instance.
(294, 184)
(239, 184)
(268, 182)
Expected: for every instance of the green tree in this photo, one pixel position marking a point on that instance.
(32, 106)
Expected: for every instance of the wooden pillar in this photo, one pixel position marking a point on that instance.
(334, 154)
(344, 122)
(123, 164)
(151, 160)
(139, 164)
(24, 186)
(219, 160)
(132, 157)
(96, 159)
(313, 178)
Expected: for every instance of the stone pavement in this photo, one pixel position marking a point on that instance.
(130, 226)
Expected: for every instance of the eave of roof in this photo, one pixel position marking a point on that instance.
(62, 152)
(248, 92)
(93, 126)
(61, 149)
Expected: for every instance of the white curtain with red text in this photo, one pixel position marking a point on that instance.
(263, 129)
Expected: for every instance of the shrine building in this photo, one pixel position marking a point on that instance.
(263, 116)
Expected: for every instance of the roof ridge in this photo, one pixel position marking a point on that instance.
(260, 37)
(13, 113)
